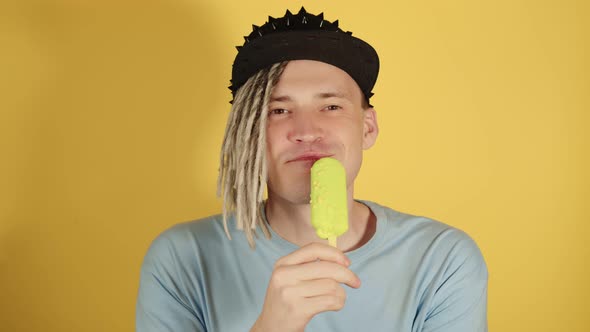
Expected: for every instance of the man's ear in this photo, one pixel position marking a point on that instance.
(370, 128)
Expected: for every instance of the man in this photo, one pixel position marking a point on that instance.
(301, 90)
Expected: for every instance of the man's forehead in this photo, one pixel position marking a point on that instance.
(315, 78)
(285, 96)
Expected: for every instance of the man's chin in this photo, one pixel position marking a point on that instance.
(302, 167)
(303, 201)
(293, 198)
(299, 199)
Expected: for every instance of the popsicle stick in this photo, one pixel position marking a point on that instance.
(332, 241)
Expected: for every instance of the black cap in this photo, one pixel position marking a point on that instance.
(305, 36)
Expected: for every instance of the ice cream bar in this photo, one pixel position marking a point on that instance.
(329, 206)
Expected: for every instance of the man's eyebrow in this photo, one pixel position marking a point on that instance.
(324, 95)
(280, 98)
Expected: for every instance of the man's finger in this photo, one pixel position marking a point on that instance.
(324, 270)
(311, 288)
(312, 252)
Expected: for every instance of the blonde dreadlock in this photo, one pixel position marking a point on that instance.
(242, 169)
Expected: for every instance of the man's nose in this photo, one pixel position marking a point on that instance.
(305, 129)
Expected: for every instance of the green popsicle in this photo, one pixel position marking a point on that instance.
(329, 206)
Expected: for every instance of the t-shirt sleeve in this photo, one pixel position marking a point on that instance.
(458, 301)
(162, 304)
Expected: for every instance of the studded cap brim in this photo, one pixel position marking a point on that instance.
(305, 37)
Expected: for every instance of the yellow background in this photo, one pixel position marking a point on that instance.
(112, 114)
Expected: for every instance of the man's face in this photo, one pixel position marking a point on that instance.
(315, 110)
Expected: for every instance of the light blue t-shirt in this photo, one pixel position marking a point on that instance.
(417, 275)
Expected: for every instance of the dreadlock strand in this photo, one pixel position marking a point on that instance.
(226, 158)
(242, 173)
(261, 163)
(251, 162)
(260, 148)
(246, 160)
(227, 175)
(223, 159)
(240, 150)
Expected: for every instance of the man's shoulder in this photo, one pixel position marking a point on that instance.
(184, 238)
(410, 223)
(432, 235)
(206, 227)
(192, 229)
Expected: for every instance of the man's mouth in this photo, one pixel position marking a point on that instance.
(309, 157)
(306, 161)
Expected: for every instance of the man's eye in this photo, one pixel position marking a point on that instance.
(333, 107)
(278, 111)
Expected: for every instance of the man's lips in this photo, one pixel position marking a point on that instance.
(308, 157)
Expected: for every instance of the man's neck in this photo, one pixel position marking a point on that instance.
(293, 223)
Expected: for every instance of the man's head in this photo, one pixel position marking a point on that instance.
(315, 110)
(301, 91)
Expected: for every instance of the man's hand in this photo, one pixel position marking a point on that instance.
(303, 284)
